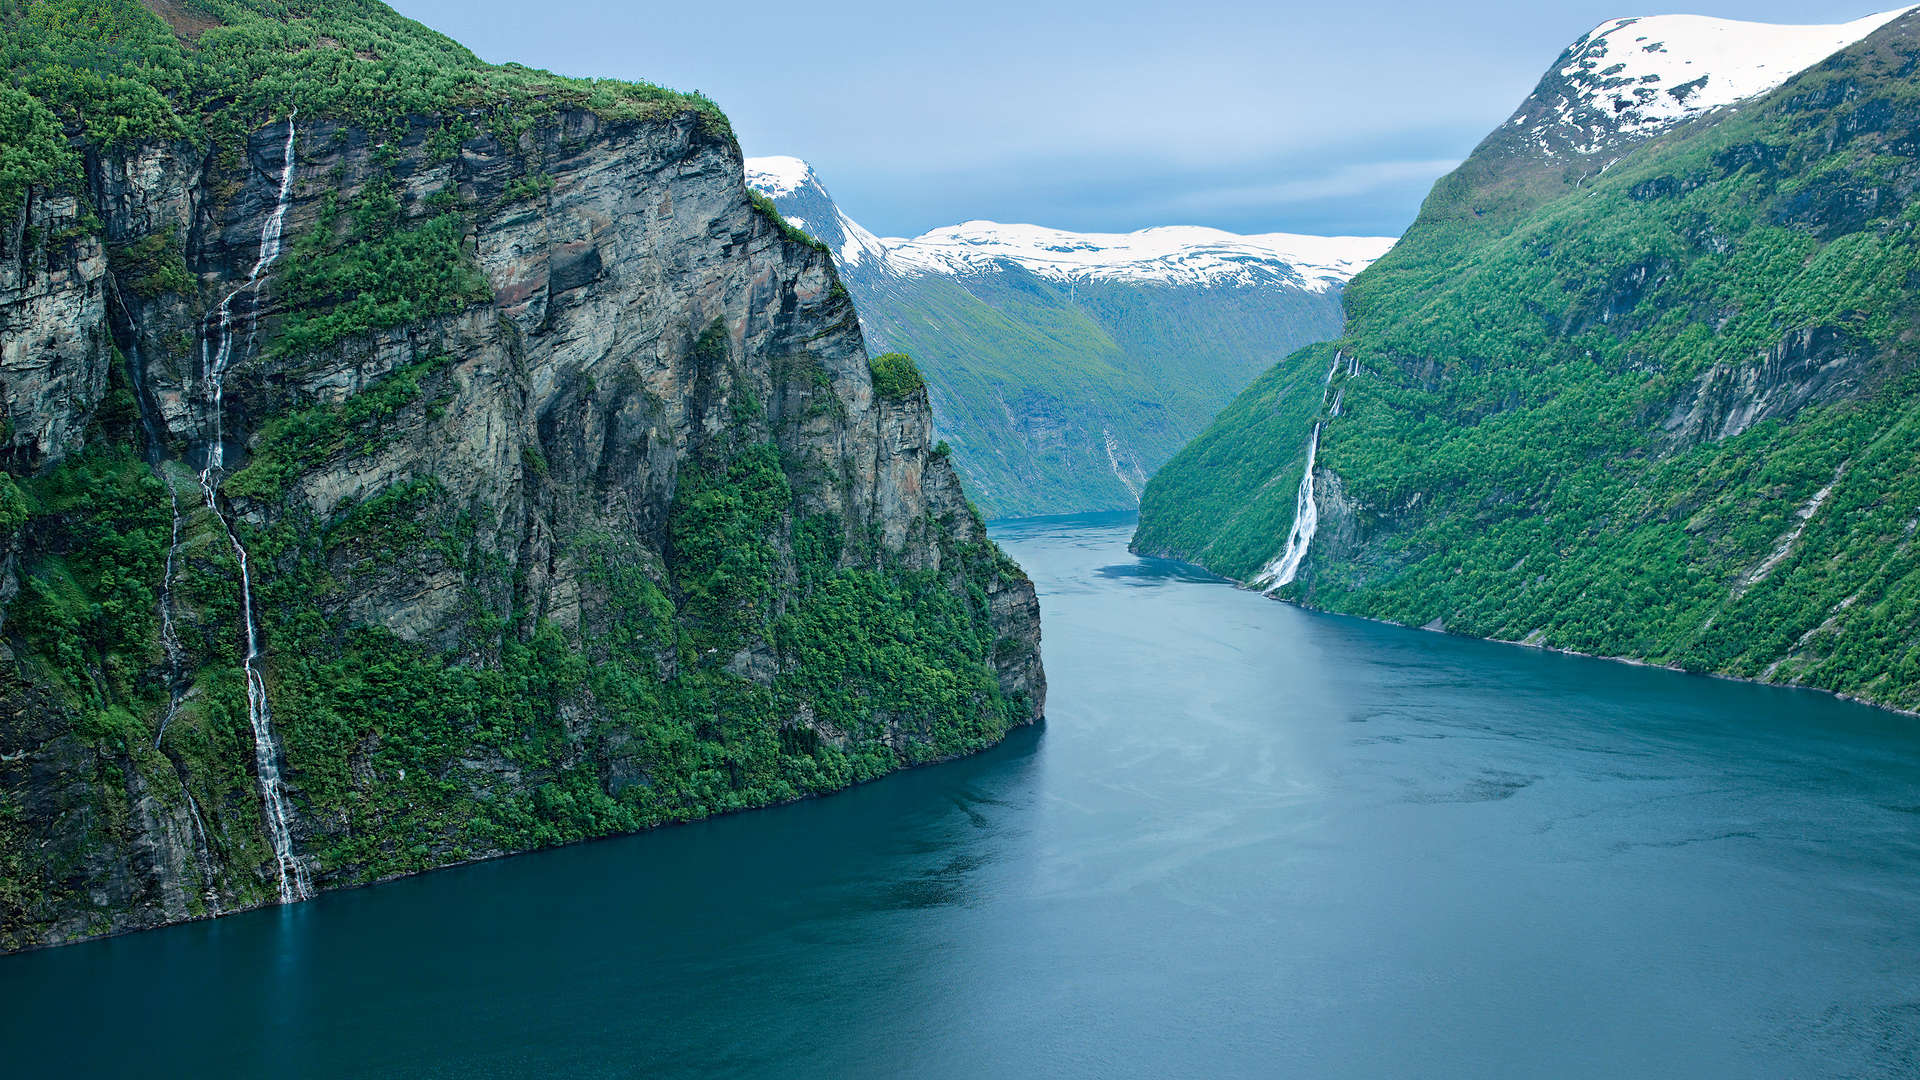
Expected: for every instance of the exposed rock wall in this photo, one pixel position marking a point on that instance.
(646, 323)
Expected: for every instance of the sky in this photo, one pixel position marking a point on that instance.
(1108, 116)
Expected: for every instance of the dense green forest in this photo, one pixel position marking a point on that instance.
(1663, 409)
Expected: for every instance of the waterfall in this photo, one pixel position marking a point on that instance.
(216, 356)
(211, 894)
(169, 636)
(1306, 520)
(1306, 513)
(1113, 461)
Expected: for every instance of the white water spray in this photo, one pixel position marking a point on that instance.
(217, 355)
(1306, 521)
(1306, 513)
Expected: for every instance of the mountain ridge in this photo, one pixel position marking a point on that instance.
(1065, 367)
(1165, 254)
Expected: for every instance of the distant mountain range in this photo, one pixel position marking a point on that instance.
(1066, 367)
(1641, 380)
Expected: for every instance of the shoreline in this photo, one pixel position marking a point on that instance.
(1634, 661)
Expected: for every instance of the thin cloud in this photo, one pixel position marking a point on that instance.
(1344, 181)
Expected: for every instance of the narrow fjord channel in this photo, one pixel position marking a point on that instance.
(1251, 841)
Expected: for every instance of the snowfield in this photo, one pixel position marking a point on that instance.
(1637, 76)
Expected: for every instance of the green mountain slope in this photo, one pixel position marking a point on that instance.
(1657, 402)
(1065, 367)
(1063, 399)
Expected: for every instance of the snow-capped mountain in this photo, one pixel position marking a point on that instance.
(1629, 78)
(1168, 255)
(1065, 367)
(803, 201)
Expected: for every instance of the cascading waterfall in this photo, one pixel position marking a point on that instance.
(217, 355)
(1306, 521)
(1306, 512)
(156, 454)
(169, 636)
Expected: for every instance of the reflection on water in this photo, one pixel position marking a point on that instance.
(1249, 842)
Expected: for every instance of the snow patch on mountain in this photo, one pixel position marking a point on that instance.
(779, 175)
(1168, 255)
(805, 203)
(1633, 77)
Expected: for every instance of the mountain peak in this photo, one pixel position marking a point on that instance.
(780, 175)
(806, 204)
(1634, 77)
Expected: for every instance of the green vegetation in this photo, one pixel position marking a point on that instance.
(1029, 376)
(152, 265)
(224, 68)
(301, 439)
(33, 149)
(1516, 456)
(87, 601)
(894, 377)
(528, 187)
(722, 651)
(636, 718)
(787, 229)
(376, 269)
(227, 66)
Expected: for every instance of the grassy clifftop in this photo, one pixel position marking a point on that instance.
(118, 72)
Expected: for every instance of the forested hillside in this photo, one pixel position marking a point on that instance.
(1645, 394)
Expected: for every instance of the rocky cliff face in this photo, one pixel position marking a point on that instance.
(545, 474)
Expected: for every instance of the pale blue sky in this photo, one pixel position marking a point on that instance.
(1108, 115)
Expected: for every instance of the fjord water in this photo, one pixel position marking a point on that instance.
(1251, 841)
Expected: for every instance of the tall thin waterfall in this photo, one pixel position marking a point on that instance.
(1306, 513)
(217, 355)
(169, 635)
(1306, 521)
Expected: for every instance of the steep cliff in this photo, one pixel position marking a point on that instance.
(1066, 367)
(1638, 383)
(411, 461)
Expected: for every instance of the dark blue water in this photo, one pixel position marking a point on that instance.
(1250, 842)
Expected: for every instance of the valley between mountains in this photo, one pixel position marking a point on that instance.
(412, 460)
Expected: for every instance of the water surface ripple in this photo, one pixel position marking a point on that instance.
(1250, 842)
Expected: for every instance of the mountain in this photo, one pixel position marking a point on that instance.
(1639, 382)
(1065, 367)
(410, 460)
